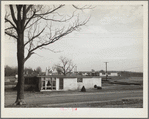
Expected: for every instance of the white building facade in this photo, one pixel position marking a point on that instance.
(65, 83)
(108, 74)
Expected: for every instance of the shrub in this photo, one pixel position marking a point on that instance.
(31, 88)
(83, 89)
(95, 86)
(98, 87)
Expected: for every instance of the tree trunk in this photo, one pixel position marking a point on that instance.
(20, 58)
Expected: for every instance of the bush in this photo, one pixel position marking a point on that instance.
(95, 86)
(31, 88)
(83, 89)
(98, 87)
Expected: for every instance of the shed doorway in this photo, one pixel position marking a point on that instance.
(61, 83)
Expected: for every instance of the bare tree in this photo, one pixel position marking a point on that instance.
(65, 67)
(36, 26)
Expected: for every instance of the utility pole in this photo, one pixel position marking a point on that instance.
(106, 71)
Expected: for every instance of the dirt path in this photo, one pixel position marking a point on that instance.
(92, 97)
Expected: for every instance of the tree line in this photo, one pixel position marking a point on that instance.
(12, 71)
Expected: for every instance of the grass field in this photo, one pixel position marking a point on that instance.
(121, 84)
(132, 80)
(128, 80)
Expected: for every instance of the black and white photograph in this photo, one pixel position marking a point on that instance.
(74, 59)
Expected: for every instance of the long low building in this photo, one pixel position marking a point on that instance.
(59, 82)
(109, 74)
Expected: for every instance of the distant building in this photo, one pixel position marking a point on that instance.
(109, 74)
(98, 73)
(88, 73)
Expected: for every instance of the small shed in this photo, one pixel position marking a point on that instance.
(59, 82)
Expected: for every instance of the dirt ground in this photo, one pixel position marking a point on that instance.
(131, 103)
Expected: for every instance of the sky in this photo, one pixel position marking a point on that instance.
(114, 34)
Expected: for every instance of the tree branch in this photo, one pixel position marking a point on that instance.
(28, 56)
(9, 28)
(50, 11)
(50, 50)
(70, 70)
(59, 36)
(29, 19)
(9, 34)
(7, 20)
(33, 23)
(84, 7)
(34, 36)
(55, 20)
(19, 7)
(24, 15)
(29, 7)
(12, 14)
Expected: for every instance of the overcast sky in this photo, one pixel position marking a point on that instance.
(114, 34)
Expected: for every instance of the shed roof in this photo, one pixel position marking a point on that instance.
(62, 76)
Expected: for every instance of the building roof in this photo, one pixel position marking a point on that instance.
(62, 76)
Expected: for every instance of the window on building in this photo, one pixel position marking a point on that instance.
(79, 79)
(48, 84)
